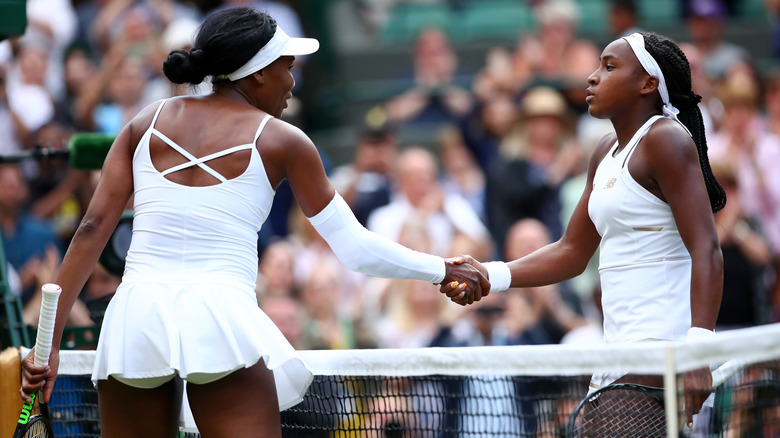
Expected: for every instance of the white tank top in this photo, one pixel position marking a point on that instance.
(644, 267)
(196, 234)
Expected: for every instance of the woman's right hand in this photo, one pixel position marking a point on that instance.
(35, 378)
(465, 280)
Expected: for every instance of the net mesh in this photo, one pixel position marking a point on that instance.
(523, 391)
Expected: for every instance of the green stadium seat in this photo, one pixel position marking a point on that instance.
(593, 16)
(659, 14)
(408, 19)
(494, 19)
(752, 10)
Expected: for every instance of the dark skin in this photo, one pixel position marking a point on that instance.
(204, 125)
(666, 164)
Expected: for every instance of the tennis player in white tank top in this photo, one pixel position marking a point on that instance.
(648, 205)
(203, 172)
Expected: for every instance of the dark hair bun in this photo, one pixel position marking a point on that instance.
(182, 67)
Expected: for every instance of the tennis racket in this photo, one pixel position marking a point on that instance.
(35, 423)
(620, 410)
(632, 410)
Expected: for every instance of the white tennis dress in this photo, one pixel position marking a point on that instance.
(644, 267)
(187, 304)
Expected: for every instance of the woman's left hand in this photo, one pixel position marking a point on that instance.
(35, 378)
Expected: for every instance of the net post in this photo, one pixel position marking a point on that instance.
(670, 392)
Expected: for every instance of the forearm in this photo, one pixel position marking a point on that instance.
(550, 264)
(706, 287)
(369, 253)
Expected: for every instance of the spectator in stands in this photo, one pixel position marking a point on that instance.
(420, 197)
(31, 245)
(555, 310)
(45, 270)
(58, 194)
(744, 141)
(11, 124)
(51, 27)
(772, 100)
(139, 24)
(28, 101)
(413, 317)
(505, 73)
(369, 180)
(79, 71)
(288, 314)
(535, 159)
(623, 18)
(115, 94)
(706, 22)
(460, 173)
(747, 259)
(329, 325)
(549, 52)
(434, 96)
(710, 106)
(485, 127)
(276, 271)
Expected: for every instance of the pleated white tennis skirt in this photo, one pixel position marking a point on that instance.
(157, 329)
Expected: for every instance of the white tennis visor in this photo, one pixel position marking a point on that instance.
(280, 44)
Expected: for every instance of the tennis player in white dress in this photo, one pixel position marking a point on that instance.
(202, 172)
(648, 205)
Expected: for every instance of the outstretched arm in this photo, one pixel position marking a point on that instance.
(560, 260)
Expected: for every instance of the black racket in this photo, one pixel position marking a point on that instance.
(625, 410)
(34, 419)
(632, 410)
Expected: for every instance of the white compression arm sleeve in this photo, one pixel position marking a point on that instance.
(369, 253)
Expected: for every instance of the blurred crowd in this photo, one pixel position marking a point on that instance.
(506, 170)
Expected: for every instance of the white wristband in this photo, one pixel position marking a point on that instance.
(499, 276)
(699, 334)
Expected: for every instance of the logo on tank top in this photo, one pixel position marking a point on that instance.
(610, 183)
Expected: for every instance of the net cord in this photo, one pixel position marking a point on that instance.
(750, 345)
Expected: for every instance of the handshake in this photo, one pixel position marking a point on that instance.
(465, 280)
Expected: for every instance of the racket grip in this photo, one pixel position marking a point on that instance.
(50, 294)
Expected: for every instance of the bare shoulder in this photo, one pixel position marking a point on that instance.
(668, 140)
(143, 119)
(602, 148)
(280, 137)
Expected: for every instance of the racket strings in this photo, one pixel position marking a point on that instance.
(38, 428)
(622, 412)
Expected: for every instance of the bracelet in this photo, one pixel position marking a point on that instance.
(499, 276)
(699, 334)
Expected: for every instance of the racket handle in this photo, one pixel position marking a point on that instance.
(727, 370)
(50, 294)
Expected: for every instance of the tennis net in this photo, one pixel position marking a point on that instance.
(518, 391)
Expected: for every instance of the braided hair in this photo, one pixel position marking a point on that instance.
(677, 73)
(226, 40)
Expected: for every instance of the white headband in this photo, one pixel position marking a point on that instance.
(280, 44)
(637, 43)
